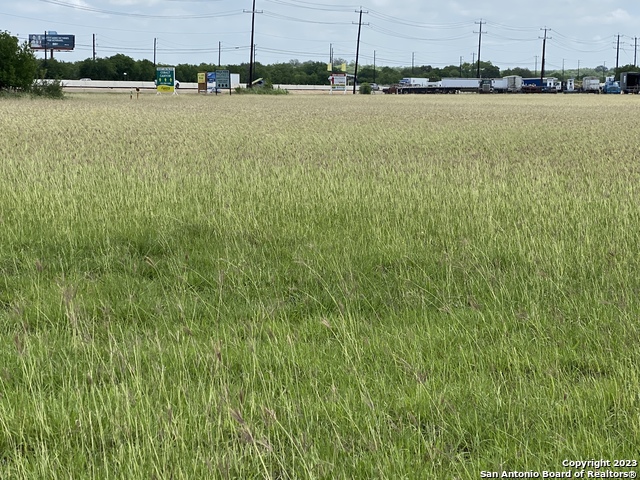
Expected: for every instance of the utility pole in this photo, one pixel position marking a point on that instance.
(413, 61)
(331, 55)
(635, 52)
(479, 32)
(544, 46)
(94, 47)
(374, 66)
(155, 46)
(536, 70)
(618, 52)
(473, 58)
(219, 53)
(355, 74)
(252, 54)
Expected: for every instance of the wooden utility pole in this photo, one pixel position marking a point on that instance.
(480, 32)
(252, 54)
(94, 47)
(544, 46)
(355, 73)
(374, 66)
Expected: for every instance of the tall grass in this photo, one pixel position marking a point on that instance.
(316, 286)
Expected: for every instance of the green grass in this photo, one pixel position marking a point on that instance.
(317, 286)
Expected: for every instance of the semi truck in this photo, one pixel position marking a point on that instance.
(611, 86)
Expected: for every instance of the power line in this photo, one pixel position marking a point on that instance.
(87, 8)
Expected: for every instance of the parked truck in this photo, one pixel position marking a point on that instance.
(611, 86)
(630, 82)
(514, 83)
(591, 85)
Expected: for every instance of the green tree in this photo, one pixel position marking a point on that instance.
(187, 73)
(122, 65)
(146, 71)
(53, 69)
(388, 76)
(625, 68)
(18, 64)
(522, 72)
(98, 69)
(488, 70)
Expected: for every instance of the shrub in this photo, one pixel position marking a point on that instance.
(48, 89)
(365, 89)
(266, 89)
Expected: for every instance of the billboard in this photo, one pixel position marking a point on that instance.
(165, 79)
(52, 42)
(338, 82)
(223, 79)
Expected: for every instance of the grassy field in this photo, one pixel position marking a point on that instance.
(317, 286)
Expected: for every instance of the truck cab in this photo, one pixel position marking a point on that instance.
(611, 86)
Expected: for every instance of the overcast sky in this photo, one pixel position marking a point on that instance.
(398, 31)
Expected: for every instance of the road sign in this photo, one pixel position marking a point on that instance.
(52, 42)
(165, 79)
(223, 79)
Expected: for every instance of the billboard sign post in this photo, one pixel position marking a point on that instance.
(51, 41)
(223, 80)
(202, 82)
(166, 80)
(338, 82)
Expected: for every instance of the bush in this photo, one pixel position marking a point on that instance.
(266, 89)
(48, 89)
(365, 89)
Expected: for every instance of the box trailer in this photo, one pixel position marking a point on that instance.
(514, 83)
(460, 83)
(414, 82)
(630, 82)
(591, 84)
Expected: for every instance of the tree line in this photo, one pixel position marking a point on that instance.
(295, 72)
(19, 67)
